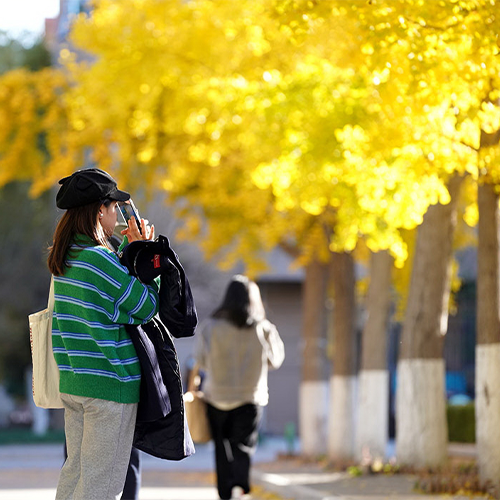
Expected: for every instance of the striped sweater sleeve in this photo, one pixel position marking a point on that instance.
(133, 302)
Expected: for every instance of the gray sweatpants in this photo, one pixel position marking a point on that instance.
(99, 438)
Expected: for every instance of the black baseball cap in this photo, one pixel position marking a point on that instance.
(88, 186)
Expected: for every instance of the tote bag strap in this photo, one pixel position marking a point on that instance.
(50, 305)
(194, 380)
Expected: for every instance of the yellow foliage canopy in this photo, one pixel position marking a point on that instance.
(301, 123)
(34, 140)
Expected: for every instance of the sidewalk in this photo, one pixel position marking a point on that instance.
(30, 472)
(292, 479)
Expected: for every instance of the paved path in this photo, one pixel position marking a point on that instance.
(149, 493)
(294, 479)
(30, 472)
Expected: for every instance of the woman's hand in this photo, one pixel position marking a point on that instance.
(133, 234)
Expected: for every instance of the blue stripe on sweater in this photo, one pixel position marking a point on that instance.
(121, 300)
(141, 302)
(97, 355)
(139, 305)
(99, 373)
(77, 319)
(87, 336)
(90, 267)
(82, 303)
(153, 300)
(110, 257)
(84, 285)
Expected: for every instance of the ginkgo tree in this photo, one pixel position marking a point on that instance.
(295, 126)
(296, 123)
(268, 133)
(272, 132)
(289, 117)
(35, 144)
(450, 52)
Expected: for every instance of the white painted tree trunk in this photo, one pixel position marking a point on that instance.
(373, 397)
(488, 338)
(342, 416)
(341, 424)
(372, 426)
(422, 438)
(487, 411)
(421, 425)
(313, 415)
(313, 393)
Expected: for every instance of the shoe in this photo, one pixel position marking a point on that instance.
(239, 494)
(236, 493)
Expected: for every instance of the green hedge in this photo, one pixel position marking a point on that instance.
(25, 436)
(461, 423)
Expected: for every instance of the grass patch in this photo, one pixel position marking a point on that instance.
(25, 436)
(461, 423)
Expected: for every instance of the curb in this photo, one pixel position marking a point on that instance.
(280, 485)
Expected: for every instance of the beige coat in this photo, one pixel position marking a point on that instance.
(236, 361)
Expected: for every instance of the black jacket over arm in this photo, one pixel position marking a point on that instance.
(161, 429)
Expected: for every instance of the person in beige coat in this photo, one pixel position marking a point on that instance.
(236, 347)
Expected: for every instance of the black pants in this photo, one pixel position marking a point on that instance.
(235, 434)
(133, 480)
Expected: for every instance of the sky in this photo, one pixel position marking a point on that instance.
(17, 16)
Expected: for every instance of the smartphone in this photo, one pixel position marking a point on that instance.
(128, 210)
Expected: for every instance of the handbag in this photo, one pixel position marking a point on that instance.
(196, 410)
(45, 370)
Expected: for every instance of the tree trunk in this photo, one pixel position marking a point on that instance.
(313, 396)
(343, 381)
(488, 339)
(421, 426)
(373, 397)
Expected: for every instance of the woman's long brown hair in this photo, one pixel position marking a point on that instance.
(242, 305)
(78, 220)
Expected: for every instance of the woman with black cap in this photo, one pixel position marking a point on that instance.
(95, 297)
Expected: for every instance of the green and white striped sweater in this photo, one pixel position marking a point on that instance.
(94, 299)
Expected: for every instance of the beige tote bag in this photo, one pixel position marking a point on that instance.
(196, 410)
(45, 370)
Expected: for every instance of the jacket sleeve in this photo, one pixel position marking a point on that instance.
(273, 345)
(177, 307)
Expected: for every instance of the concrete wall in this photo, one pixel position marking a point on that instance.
(283, 306)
